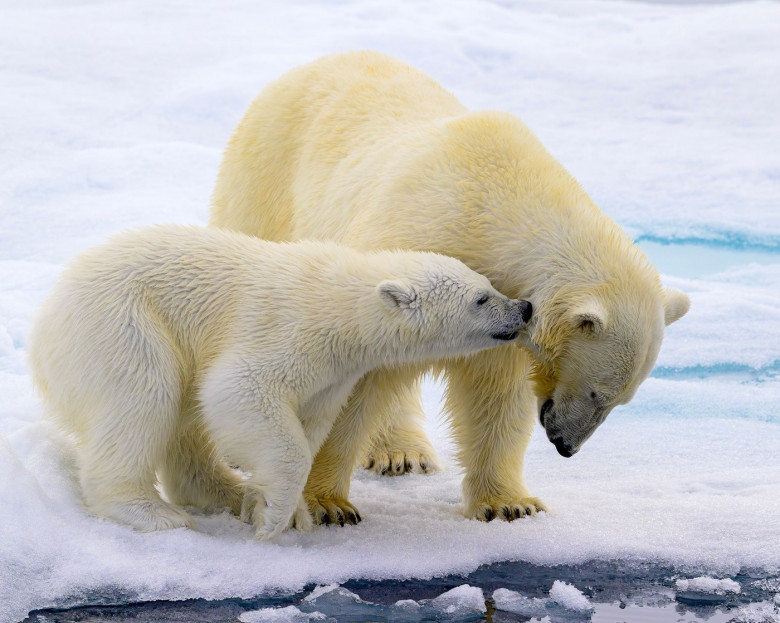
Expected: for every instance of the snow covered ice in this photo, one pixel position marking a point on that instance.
(461, 603)
(115, 115)
(565, 601)
(706, 584)
(570, 597)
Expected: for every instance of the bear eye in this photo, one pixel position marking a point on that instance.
(482, 299)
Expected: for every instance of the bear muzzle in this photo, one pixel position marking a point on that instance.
(520, 313)
(564, 449)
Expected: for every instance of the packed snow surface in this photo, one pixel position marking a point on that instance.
(115, 115)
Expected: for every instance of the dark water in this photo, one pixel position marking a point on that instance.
(618, 591)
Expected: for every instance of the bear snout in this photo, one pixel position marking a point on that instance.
(554, 433)
(562, 448)
(519, 313)
(505, 336)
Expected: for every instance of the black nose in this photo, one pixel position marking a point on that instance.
(562, 448)
(526, 310)
(548, 404)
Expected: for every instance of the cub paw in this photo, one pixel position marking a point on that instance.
(147, 515)
(333, 511)
(508, 510)
(301, 519)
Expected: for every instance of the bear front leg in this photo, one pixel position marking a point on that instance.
(401, 445)
(275, 450)
(263, 435)
(193, 473)
(368, 409)
(493, 409)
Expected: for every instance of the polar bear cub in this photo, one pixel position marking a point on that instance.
(172, 352)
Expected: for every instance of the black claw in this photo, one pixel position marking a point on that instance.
(489, 514)
(370, 464)
(424, 466)
(325, 519)
(507, 513)
(408, 466)
(518, 512)
(384, 472)
(358, 517)
(340, 517)
(352, 518)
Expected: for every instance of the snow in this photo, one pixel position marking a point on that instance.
(705, 584)
(116, 115)
(290, 614)
(570, 597)
(564, 599)
(762, 612)
(461, 603)
(459, 600)
(512, 601)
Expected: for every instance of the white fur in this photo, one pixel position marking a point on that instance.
(169, 349)
(364, 150)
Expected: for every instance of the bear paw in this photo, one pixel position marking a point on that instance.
(146, 515)
(400, 451)
(301, 519)
(386, 462)
(270, 521)
(508, 510)
(333, 511)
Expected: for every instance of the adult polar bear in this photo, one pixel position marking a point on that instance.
(367, 151)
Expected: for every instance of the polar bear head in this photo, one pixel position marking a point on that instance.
(594, 351)
(447, 309)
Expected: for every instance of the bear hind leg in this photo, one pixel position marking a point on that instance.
(118, 474)
(193, 473)
(400, 445)
(327, 489)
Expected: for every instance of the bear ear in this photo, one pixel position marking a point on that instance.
(397, 295)
(676, 305)
(590, 318)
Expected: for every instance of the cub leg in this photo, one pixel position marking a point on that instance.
(263, 435)
(193, 473)
(490, 400)
(369, 406)
(130, 420)
(400, 444)
(117, 465)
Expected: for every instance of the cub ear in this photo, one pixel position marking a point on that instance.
(397, 295)
(676, 305)
(590, 318)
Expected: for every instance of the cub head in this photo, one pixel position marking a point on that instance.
(594, 351)
(451, 310)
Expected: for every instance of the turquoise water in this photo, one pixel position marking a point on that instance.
(694, 260)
